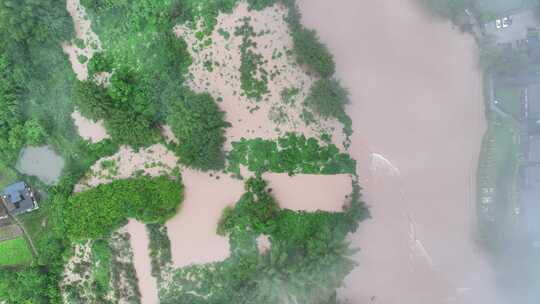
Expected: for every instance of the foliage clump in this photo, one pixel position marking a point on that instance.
(253, 77)
(292, 154)
(97, 212)
(199, 125)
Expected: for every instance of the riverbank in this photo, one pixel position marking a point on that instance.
(421, 111)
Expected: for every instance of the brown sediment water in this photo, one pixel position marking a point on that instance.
(141, 259)
(94, 131)
(269, 117)
(83, 31)
(304, 192)
(417, 110)
(193, 231)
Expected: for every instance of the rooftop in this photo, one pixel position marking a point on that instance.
(19, 198)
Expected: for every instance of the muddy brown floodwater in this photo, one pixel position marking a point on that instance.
(417, 109)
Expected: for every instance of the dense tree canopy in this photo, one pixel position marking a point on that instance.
(199, 125)
(35, 20)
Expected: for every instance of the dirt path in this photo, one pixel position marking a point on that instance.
(418, 121)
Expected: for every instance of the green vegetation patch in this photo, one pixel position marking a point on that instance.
(101, 262)
(308, 259)
(27, 285)
(15, 252)
(292, 154)
(311, 52)
(97, 212)
(328, 99)
(253, 77)
(160, 249)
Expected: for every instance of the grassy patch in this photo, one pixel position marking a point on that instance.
(509, 99)
(253, 77)
(15, 252)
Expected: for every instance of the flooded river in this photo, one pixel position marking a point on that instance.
(417, 108)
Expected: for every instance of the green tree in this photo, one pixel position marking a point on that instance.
(311, 52)
(199, 125)
(328, 98)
